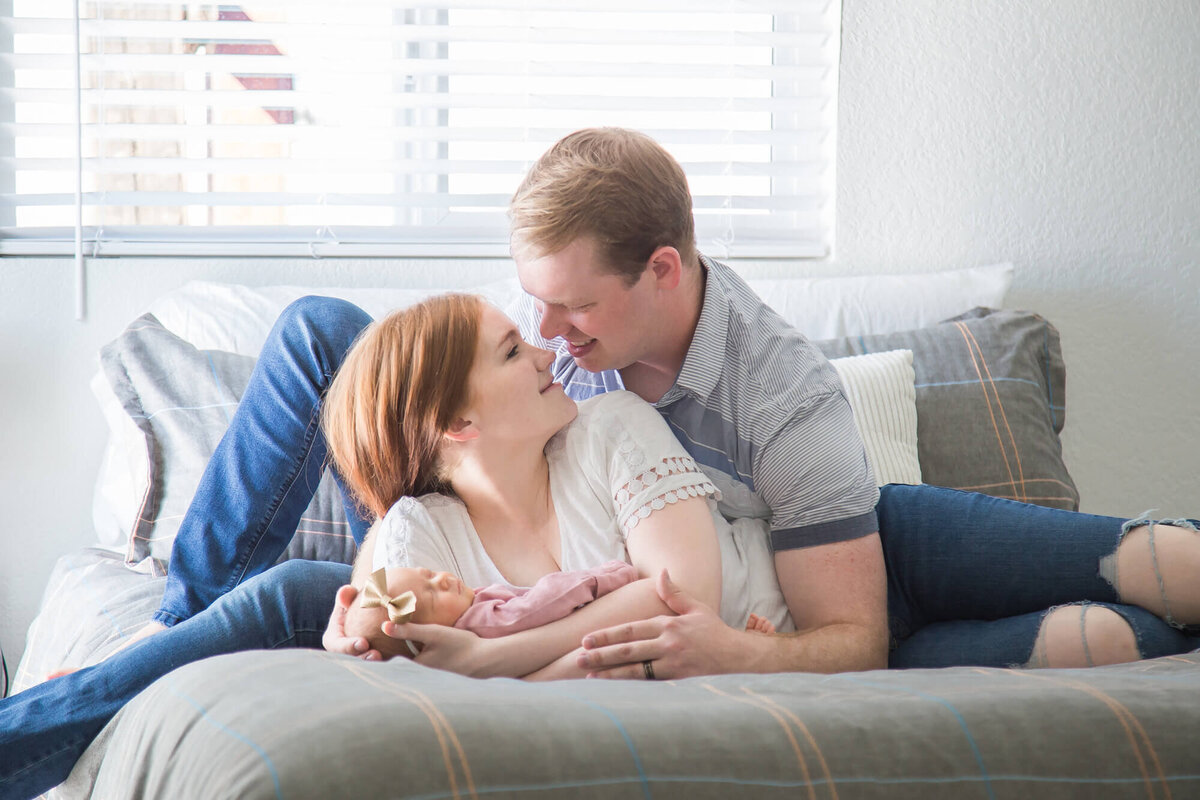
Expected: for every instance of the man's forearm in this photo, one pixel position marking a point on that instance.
(841, 647)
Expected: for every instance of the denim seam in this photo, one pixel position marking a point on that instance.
(238, 574)
(38, 761)
(293, 635)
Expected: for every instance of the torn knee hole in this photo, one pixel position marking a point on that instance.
(1083, 635)
(1154, 567)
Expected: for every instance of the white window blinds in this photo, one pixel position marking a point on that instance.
(380, 127)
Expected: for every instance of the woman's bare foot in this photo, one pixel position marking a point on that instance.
(145, 632)
(58, 673)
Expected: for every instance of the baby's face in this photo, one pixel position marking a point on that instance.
(441, 597)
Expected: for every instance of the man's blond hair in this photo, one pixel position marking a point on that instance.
(616, 186)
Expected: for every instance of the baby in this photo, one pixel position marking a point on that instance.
(410, 594)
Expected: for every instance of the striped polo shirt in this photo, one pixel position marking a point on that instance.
(761, 410)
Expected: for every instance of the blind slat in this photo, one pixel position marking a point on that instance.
(237, 32)
(815, 8)
(389, 200)
(274, 65)
(808, 101)
(306, 166)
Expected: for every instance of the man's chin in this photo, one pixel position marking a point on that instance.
(593, 364)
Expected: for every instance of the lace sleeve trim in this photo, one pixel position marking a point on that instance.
(698, 486)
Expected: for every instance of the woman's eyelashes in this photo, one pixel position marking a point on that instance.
(512, 353)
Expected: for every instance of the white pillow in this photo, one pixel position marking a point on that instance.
(829, 308)
(883, 397)
(237, 319)
(220, 316)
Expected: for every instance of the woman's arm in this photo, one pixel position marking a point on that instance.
(680, 537)
(335, 639)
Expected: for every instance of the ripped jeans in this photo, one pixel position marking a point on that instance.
(971, 577)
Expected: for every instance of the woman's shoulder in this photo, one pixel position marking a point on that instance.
(422, 531)
(427, 511)
(612, 424)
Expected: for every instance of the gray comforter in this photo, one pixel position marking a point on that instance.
(301, 724)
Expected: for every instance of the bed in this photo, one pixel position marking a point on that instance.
(947, 388)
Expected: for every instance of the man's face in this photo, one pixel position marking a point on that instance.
(605, 323)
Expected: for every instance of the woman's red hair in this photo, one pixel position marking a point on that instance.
(400, 388)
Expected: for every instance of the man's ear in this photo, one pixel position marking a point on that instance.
(668, 267)
(461, 430)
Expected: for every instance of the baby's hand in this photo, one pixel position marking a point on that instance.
(757, 623)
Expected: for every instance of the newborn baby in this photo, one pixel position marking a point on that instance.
(413, 594)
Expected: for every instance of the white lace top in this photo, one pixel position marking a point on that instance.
(611, 468)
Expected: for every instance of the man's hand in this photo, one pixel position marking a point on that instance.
(335, 639)
(443, 647)
(696, 642)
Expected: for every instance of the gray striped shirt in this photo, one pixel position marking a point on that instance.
(761, 410)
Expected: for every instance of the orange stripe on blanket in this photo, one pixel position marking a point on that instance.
(436, 718)
(1133, 729)
(812, 792)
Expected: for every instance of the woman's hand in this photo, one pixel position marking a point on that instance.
(335, 639)
(443, 647)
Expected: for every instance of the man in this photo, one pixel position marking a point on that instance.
(602, 236)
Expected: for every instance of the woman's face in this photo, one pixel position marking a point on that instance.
(513, 396)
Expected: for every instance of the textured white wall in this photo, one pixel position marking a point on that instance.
(1064, 137)
(1060, 136)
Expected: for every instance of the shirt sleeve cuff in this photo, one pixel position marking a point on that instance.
(840, 530)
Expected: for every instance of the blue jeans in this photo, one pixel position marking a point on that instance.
(45, 729)
(266, 468)
(970, 577)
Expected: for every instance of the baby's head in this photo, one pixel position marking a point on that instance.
(405, 594)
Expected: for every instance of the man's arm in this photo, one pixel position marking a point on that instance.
(837, 596)
(836, 593)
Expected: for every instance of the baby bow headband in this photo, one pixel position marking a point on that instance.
(399, 609)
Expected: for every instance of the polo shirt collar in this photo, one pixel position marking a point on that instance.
(704, 361)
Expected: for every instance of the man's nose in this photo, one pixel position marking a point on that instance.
(552, 323)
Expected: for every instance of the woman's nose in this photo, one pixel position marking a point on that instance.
(544, 359)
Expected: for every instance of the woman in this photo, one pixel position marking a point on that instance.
(493, 474)
(444, 396)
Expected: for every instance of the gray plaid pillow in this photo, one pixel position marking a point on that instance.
(181, 399)
(990, 403)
